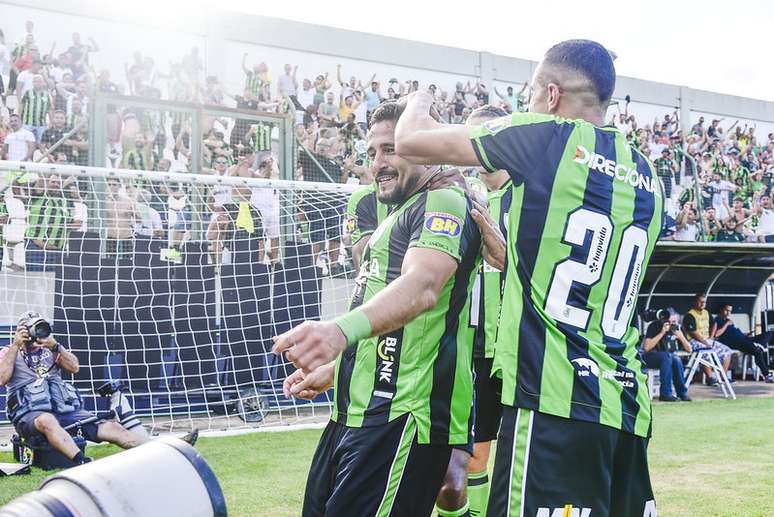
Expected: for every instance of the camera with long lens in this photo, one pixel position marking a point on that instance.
(37, 326)
(656, 314)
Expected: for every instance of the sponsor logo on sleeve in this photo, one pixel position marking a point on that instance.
(443, 224)
(350, 224)
(497, 124)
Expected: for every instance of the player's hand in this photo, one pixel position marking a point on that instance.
(48, 342)
(22, 336)
(307, 386)
(447, 178)
(494, 242)
(405, 99)
(311, 344)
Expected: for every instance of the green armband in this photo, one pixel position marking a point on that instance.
(355, 325)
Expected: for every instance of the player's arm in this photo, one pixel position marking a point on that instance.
(423, 274)
(421, 139)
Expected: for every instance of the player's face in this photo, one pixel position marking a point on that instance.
(395, 177)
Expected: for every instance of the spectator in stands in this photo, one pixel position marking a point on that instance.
(287, 84)
(267, 202)
(54, 133)
(666, 168)
(328, 112)
(35, 107)
(305, 98)
(696, 324)
(711, 224)
(48, 223)
(5, 67)
(78, 210)
(373, 97)
(662, 339)
(765, 212)
(740, 216)
(15, 229)
(137, 158)
(78, 144)
(723, 328)
(687, 227)
(256, 78)
(728, 232)
(148, 222)
(719, 189)
(19, 144)
(120, 213)
(698, 128)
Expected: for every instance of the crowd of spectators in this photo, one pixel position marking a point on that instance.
(716, 178)
(717, 181)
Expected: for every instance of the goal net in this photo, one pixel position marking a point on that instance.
(173, 284)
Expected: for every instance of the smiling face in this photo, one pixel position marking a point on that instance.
(396, 178)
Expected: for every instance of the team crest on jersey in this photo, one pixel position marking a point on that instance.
(350, 225)
(498, 124)
(443, 224)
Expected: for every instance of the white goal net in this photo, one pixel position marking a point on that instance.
(173, 284)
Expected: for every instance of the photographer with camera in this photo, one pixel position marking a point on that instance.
(40, 404)
(662, 339)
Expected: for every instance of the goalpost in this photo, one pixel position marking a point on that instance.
(173, 284)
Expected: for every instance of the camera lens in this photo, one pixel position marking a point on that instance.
(40, 329)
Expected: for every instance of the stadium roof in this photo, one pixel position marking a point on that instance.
(725, 271)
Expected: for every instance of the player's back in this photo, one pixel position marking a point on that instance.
(585, 216)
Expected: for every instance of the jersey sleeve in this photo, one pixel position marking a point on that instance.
(439, 222)
(515, 143)
(362, 217)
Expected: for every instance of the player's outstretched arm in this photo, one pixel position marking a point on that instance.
(419, 138)
(423, 274)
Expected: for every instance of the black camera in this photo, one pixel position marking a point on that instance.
(655, 314)
(673, 328)
(37, 326)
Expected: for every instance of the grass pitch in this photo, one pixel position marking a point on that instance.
(709, 458)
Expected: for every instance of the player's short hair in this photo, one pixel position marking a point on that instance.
(488, 112)
(588, 58)
(387, 111)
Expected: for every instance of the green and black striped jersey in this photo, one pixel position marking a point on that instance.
(487, 293)
(585, 216)
(423, 368)
(35, 107)
(47, 221)
(364, 213)
(261, 139)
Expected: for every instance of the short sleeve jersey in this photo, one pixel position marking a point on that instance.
(584, 219)
(423, 368)
(364, 213)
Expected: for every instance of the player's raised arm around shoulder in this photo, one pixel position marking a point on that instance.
(421, 139)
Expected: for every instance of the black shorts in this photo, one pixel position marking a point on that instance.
(545, 464)
(488, 408)
(379, 470)
(25, 426)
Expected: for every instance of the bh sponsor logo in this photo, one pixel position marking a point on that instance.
(597, 162)
(585, 367)
(443, 224)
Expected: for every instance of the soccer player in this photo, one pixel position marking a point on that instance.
(403, 378)
(488, 294)
(584, 219)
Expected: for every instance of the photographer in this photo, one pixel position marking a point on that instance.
(662, 339)
(40, 403)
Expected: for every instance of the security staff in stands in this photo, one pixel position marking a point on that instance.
(40, 404)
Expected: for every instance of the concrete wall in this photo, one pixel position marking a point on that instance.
(222, 37)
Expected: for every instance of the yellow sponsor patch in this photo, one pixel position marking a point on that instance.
(443, 224)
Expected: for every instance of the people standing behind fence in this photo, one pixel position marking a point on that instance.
(48, 223)
(696, 324)
(764, 210)
(757, 346)
(19, 143)
(663, 339)
(15, 201)
(120, 213)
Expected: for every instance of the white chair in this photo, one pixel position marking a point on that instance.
(654, 381)
(709, 358)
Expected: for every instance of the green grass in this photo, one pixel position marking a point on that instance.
(710, 458)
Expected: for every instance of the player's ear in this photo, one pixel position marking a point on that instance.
(553, 94)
